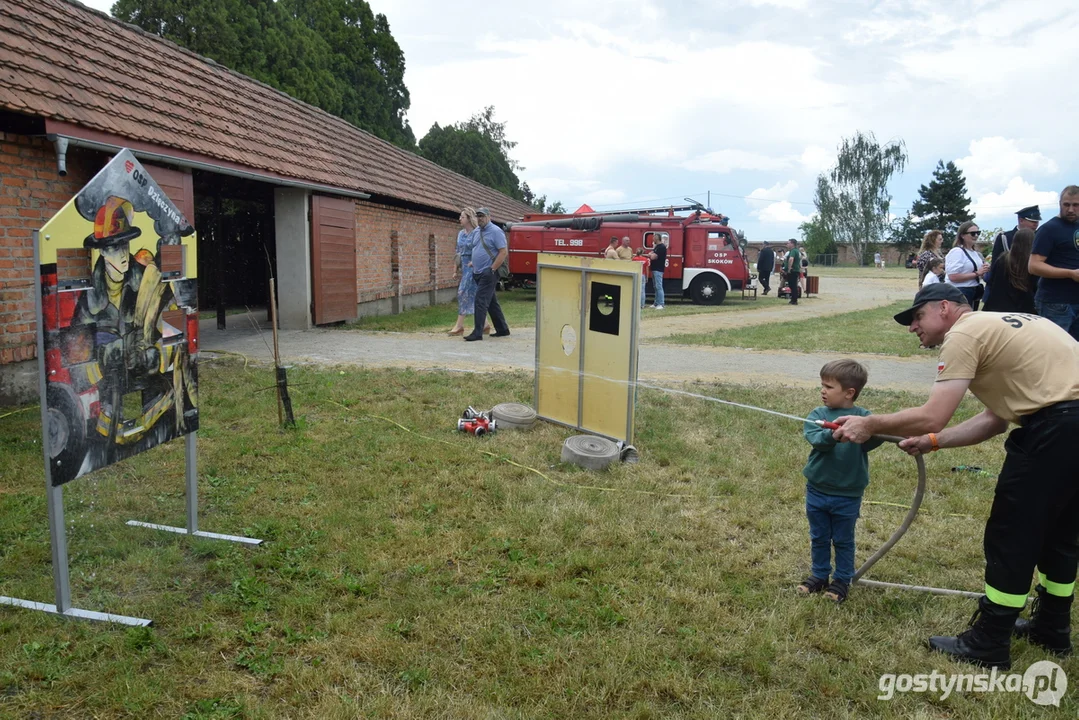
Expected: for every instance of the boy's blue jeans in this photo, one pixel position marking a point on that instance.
(831, 524)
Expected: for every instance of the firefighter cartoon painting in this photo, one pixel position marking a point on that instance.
(120, 343)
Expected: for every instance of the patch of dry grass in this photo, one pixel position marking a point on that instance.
(407, 577)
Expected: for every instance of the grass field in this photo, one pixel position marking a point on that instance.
(865, 331)
(407, 576)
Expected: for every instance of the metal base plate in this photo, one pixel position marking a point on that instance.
(197, 533)
(77, 613)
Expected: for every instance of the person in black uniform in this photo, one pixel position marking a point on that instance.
(1029, 218)
(1025, 370)
(766, 263)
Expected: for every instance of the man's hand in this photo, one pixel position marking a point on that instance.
(852, 428)
(1075, 275)
(918, 445)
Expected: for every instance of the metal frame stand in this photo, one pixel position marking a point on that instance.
(55, 495)
(57, 534)
(192, 529)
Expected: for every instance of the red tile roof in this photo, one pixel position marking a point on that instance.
(64, 62)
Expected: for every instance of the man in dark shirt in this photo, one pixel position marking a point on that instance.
(1028, 218)
(792, 268)
(658, 256)
(1055, 258)
(766, 263)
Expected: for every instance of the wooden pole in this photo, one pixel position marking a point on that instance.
(276, 352)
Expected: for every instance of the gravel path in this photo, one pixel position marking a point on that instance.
(659, 362)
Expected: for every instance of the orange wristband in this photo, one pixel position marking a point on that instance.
(933, 442)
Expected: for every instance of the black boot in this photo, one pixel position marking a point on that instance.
(987, 642)
(1049, 626)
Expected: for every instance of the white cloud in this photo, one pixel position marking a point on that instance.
(996, 161)
(730, 160)
(762, 197)
(1017, 194)
(816, 159)
(788, 4)
(604, 197)
(781, 213)
(772, 205)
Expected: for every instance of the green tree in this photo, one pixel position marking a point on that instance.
(816, 238)
(555, 208)
(852, 199)
(906, 234)
(335, 54)
(484, 123)
(472, 154)
(943, 204)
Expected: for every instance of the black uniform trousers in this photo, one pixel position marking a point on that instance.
(792, 282)
(1035, 515)
(486, 301)
(765, 276)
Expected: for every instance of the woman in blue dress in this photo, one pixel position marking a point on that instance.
(466, 288)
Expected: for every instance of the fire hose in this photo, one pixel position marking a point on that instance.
(919, 493)
(859, 574)
(912, 512)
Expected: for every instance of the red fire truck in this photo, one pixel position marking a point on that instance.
(705, 258)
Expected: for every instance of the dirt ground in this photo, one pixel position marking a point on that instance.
(659, 362)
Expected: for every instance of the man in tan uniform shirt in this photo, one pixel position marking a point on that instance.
(1025, 370)
(625, 252)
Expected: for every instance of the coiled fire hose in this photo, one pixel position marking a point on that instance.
(919, 493)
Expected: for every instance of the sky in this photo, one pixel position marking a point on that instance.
(631, 103)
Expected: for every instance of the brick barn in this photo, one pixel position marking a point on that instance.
(348, 224)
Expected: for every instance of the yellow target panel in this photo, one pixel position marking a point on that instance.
(587, 325)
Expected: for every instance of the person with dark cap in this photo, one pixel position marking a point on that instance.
(1055, 259)
(1029, 218)
(488, 253)
(1025, 370)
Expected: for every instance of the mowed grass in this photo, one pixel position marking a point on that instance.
(871, 330)
(408, 577)
(519, 307)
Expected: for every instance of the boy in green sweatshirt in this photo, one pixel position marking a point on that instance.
(837, 475)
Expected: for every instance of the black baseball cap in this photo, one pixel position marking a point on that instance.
(928, 294)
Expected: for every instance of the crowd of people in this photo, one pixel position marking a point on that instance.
(791, 266)
(1033, 269)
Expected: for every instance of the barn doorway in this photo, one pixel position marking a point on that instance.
(237, 254)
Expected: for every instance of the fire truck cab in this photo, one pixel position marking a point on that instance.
(705, 259)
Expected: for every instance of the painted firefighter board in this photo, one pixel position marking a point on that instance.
(119, 311)
(587, 324)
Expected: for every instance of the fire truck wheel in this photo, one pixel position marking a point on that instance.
(708, 289)
(67, 432)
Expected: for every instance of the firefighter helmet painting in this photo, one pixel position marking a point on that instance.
(121, 342)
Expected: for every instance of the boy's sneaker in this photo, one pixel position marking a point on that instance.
(659, 307)
(837, 591)
(811, 585)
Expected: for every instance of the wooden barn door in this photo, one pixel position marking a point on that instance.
(178, 185)
(333, 258)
